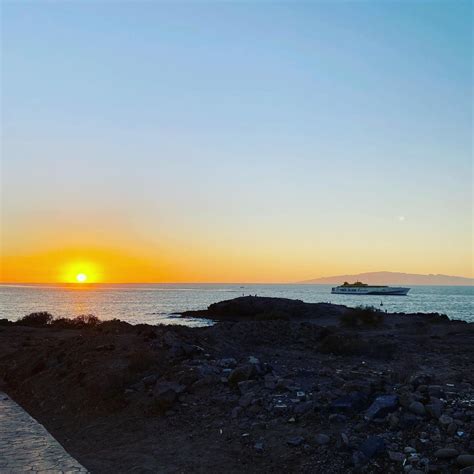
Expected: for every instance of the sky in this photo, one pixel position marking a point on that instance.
(235, 141)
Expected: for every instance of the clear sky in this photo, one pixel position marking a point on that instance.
(249, 141)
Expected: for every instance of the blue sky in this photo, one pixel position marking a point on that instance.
(299, 139)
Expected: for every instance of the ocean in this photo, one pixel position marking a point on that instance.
(156, 303)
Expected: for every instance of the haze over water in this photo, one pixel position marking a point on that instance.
(154, 304)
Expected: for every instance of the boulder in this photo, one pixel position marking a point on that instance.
(445, 420)
(259, 446)
(465, 460)
(417, 408)
(436, 391)
(295, 441)
(382, 406)
(241, 373)
(372, 446)
(396, 456)
(166, 393)
(452, 428)
(246, 399)
(285, 384)
(349, 403)
(421, 379)
(435, 407)
(446, 453)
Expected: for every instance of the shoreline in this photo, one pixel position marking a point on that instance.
(273, 385)
(109, 303)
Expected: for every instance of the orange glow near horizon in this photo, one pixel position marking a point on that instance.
(135, 260)
(80, 272)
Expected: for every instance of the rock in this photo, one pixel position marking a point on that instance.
(465, 460)
(393, 421)
(421, 379)
(467, 470)
(253, 360)
(150, 380)
(408, 420)
(236, 412)
(342, 440)
(452, 428)
(322, 439)
(359, 459)
(409, 450)
(280, 408)
(350, 403)
(176, 350)
(302, 408)
(204, 383)
(241, 373)
(434, 408)
(246, 386)
(405, 399)
(190, 349)
(396, 456)
(446, 453)
(105, 347)
(228, 362)
(259, 447)
(246, 400)
(372, 446)
(357, 386)
(270, 381)
(382, 406)
(285, 384)
(436, 391)
(166, 393)
(445, 420)
(337, 418)
(417, 408)
(295, 441)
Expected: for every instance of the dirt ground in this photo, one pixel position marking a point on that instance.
(252, 393)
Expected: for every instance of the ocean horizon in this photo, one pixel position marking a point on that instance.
(160, 303)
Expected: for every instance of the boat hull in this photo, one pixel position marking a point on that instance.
(384, 291)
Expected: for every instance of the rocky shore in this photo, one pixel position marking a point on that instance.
(274, 386)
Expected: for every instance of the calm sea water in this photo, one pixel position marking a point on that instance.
(155, 304)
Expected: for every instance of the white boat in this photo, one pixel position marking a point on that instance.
(359, 288)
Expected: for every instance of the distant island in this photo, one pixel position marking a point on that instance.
(394, 278)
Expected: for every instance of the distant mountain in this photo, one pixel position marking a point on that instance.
(394, 278)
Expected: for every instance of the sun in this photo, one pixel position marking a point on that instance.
(81, 277)
(80, 272)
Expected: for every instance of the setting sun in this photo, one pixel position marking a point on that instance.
(80, 271)
(81, 277)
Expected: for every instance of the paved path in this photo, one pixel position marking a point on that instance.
(26, 446)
